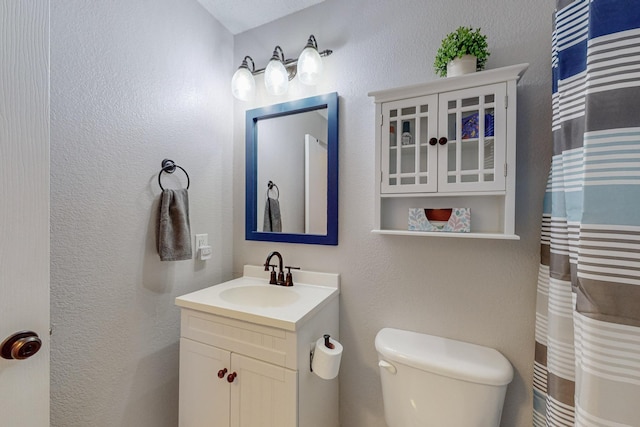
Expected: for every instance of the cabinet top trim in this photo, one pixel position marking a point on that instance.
(512, 72)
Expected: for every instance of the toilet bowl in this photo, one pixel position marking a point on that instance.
(429, 381)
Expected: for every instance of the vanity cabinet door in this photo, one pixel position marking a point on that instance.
(263, 395)
(474, 123)
(408, 160)
(204, 397)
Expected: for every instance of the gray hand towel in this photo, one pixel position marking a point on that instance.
(272, 220)
(174, 232)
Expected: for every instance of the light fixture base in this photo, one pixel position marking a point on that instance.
(292, 70)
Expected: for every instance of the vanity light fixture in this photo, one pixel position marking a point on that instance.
(279, 71)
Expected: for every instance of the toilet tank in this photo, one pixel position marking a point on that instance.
(433, 381)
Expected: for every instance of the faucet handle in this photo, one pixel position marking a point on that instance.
(272, 275)
(289, 280)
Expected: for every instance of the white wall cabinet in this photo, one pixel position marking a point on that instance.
(449, 143)
(272, 385)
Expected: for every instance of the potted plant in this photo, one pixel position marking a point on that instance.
(462, 51)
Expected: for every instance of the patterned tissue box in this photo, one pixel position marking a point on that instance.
(459, 220)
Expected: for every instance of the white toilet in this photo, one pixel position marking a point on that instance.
(430, 381)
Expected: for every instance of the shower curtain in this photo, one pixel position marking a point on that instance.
(587, 359)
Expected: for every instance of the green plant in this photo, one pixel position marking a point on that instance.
(463, 41)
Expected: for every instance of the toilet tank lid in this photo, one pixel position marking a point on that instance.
(443, 356)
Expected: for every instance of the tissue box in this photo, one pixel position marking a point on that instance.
(458, 220)
(470, 126)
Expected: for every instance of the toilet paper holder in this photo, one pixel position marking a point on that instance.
(327, 343)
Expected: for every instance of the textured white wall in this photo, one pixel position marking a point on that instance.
(132, 83)
(473, 290)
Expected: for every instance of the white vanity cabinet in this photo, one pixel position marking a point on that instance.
(251, 367)
(219, 387)
(449, 143)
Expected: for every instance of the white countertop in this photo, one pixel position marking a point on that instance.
(312, 291)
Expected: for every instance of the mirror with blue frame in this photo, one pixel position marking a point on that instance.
(292, 171)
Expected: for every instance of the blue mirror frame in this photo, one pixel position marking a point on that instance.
(328, 101)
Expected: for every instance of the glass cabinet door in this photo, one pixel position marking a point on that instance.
(409, 162)
(474, 124)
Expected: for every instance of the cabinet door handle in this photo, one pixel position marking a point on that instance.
(231, 377)
(433, 141)
(442, 141)
(222, 372)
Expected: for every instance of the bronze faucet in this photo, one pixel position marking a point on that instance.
(267, 264)
(280, 280)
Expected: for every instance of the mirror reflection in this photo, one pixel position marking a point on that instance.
(292, 164)
(292, 172)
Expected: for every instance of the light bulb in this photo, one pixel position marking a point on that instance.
(243, 84)
(276, 78)
(309, 66)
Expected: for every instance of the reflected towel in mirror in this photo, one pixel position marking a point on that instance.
(272, 218)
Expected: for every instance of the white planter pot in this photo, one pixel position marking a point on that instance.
(460, 66)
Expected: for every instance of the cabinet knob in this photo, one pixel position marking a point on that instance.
(222, 372)
(231, 377)
(433, 141)
(442, 141)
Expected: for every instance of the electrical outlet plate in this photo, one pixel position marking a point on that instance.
(202, 240)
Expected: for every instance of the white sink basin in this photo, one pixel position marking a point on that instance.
(260, 296)
(251, 298)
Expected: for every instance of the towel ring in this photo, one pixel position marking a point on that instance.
(169, 166)
(270, 186)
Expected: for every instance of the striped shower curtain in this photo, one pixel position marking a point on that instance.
(587, 361)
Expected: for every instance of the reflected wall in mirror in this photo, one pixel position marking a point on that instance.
(292, 171)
